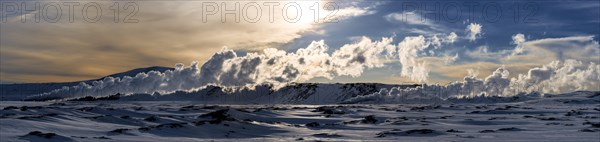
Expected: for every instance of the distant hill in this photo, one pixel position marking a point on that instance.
(137, 71)
(291, 93)
(9, 89)
(7, 82)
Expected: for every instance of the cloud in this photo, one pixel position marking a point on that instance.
(518, 39)
(408, 17)
(414, 22)
(542, 51)
(473, 31)
(451, 38)
(535, 53)
(274, 66)
(555, 77)
(529, 53)
(416, 55)
(167, 33)
(226, 68)
(482, 53)
(351, 11)
(559, 77)
(450, 59)
(408, 52)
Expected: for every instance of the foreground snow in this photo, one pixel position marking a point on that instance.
(568, 117)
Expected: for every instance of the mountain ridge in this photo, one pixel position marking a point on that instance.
(11, 89)
(294, 92)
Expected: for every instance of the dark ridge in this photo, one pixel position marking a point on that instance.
(90, 98)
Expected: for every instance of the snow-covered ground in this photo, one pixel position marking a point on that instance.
(566, 117)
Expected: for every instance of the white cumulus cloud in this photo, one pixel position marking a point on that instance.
(473, 31)
(555, 77)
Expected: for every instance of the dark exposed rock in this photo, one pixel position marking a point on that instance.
(496, 118)
(397, 132)
(58, 104)
(10, 107)
(86, 108)
(161, 126)
(313, 124)
(327, 135)
(102, 137)
(198, 123)
(573, 113)
(487, 131)
(25, 108)
(120, 130)
(589, 130)
(218, 116)
(188, 108)
(509, 129)
(369, 119)
(38, 116)
(144, 129)
(329, 110)
(385, 133)
(470, 137)
(279, 108)
(40, 134)
(454, 131)
(420, 131)
(421, 108)
(170, 125)
(333, 111)
(594, 124)
(547, 118)
(210, 107)
(91, 98)
(151, 118)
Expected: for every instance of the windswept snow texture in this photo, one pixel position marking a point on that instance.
(564, 117)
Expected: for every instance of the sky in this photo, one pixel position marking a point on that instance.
(433, 41)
